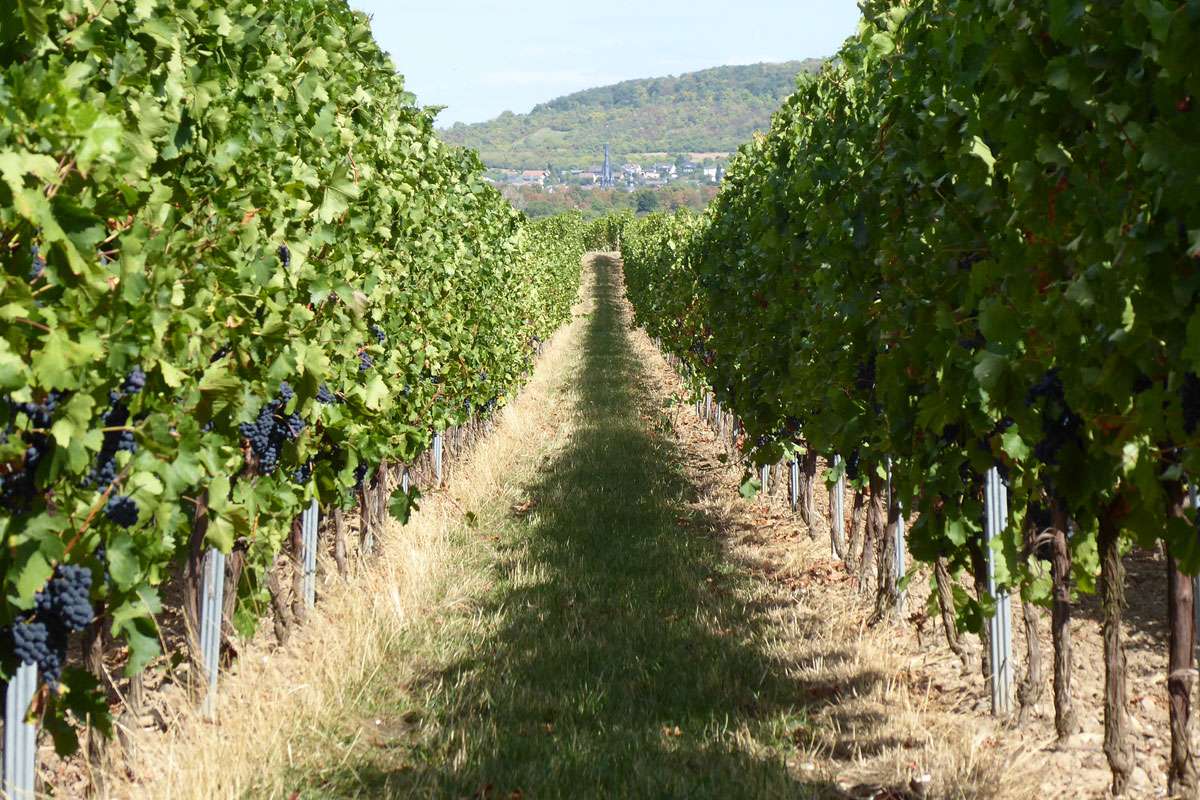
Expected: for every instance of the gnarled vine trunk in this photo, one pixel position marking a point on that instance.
(857, 525)
(1112, 601)
(945, 596)
(1029, 691)
(1065, 722)
(1181, 775)
(979, 575)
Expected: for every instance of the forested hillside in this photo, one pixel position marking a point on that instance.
(711, 110)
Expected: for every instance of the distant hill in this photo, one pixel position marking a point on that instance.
(711, 111)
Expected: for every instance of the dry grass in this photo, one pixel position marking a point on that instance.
(275, 699)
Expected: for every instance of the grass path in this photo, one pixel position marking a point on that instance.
(599, 614)
(613, 654)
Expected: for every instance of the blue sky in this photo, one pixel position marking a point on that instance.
(480, 57)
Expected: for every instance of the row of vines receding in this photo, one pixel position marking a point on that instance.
(239, 273)
(973, 241)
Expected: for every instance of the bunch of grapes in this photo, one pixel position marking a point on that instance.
(304, 474)
(64, 606)
(967, 262)
(864, 375)
(360, 475)
(104, 472)
(285, 256)
(67, 597)
(490, 405)
(18, 483)
(38, 263)
(1189, 398)
(378, 333)
(271, 429)
(365, 362)
(325, 396)
(35, 642)
(122, 509)
(852, 465)
(1060, 425)
(973, 343)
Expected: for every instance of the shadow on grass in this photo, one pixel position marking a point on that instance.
(626, 663)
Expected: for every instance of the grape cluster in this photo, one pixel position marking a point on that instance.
(864, 375)
(35, 642)
(324, 395)
(122, 510)
(285, 256)
(973, 343)
(490, 405)
(378, 333)
(304, 474)
(18, 483)
(271, 429)
(1060, 425)
(67, 597)
(967, 262)
(104, 472)
(852, 465)
(64, 606)
(360, 475)
(135, 381)
(1189, 398)
(38, 263)
(365, 362)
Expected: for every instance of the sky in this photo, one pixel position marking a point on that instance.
(480, 58)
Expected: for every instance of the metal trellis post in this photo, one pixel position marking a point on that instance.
(794, 480)
(1000, 624)
(213, 591)
(899, 542)
(309, 524)
(838, 509)
(437, 458)
(20, 737)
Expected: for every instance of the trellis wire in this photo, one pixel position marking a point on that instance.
(20, 737)
(838, 510)
(212, 593)
(309, 522)
(1000, 623)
